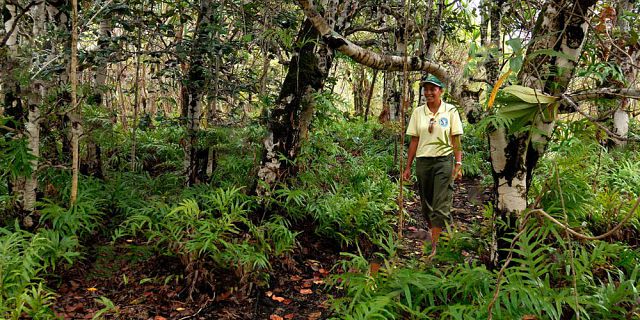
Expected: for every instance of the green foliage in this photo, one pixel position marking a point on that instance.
(24, 256)
(595, 184)
(343, 182)
(475, 149)
(537, 282)
(214, 227)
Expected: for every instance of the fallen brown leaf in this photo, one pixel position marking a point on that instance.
(159, 318)
(306, 291)
(296, 278)
(314, 316)
(276, 298)
(290, 316)
(275, 317)
(75, 307)
(373, 268)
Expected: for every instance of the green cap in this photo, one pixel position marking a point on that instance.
(431, 79)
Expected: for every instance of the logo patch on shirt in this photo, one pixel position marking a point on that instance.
(444, 122)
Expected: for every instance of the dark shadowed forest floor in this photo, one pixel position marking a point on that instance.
(142, 285)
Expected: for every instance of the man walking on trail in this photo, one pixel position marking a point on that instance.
(435, 129)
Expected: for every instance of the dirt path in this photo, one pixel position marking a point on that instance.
(129, 281)
(468, 201)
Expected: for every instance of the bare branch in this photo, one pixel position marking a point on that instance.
(595, 121)
(605, 93)
(367, 29)
(366, 57)
(17, 20)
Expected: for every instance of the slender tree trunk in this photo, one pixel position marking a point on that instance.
(370, 95)
(76, 112)
(196, 158)
(93, 161)
(136, 98)
(492, 42)
(625, 57)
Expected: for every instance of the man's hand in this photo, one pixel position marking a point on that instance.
(457, 172)
(406, 175)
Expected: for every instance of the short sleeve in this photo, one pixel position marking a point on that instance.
(412, 128)
(456, 123)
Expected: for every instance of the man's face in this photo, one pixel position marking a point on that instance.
(432, 92)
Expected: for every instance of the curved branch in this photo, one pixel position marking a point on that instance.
(367, 29)
(586, 237)
(595, 121)
(605, 93)
(367, 57)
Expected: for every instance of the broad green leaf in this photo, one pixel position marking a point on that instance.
(529, 95)
(515, 63)
(515, 43)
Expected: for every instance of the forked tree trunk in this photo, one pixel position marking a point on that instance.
(289, 119)
(561, 27)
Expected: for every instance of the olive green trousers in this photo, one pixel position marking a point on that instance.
(435, 187)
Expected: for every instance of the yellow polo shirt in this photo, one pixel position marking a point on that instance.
(447, 123)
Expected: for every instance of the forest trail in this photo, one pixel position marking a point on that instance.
(141, 285)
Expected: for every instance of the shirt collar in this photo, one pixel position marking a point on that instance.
(441, 108)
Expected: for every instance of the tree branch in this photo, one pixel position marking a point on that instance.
(15, 24)
(594, 121)
(367, 29)
(367, 57)
(605, 93)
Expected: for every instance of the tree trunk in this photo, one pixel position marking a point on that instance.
(195, 160)
(92, 163)
(561, 27)
(308, 69)
(370, 95)
(76, 128)
(625, 57)
(289, 119)
(22, 103)
(492, 69)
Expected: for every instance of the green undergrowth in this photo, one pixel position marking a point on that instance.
(549, 277)
(593, 184)
(345, 183)
(538, 282)
(345, 190)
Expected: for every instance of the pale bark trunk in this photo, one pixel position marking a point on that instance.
(75, 113)
(32, 128)
(136, 100)
(562, 27)
(10, 27)
(621, 125)
(625, 60)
